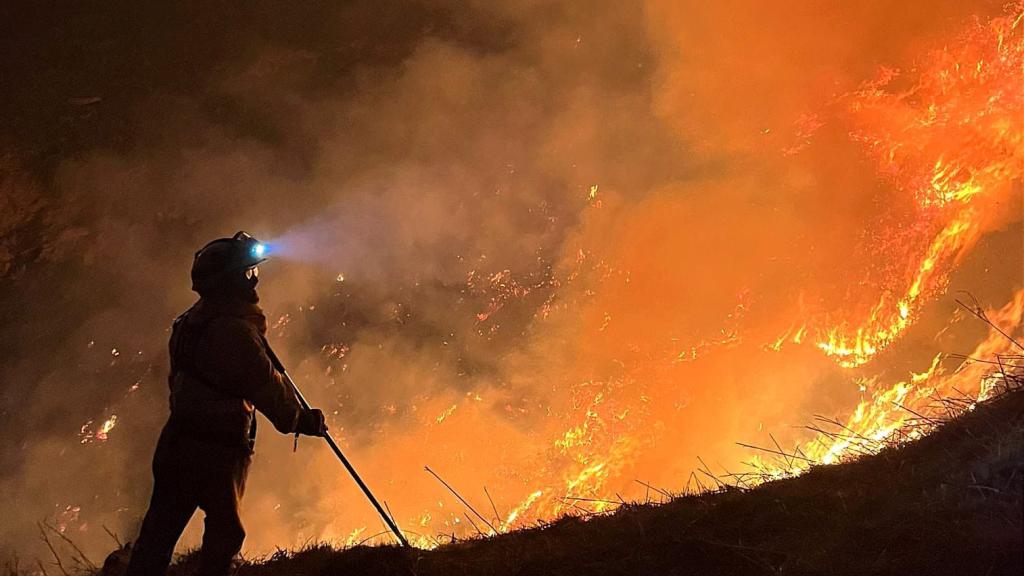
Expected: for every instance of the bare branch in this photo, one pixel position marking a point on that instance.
(461, 499)
(56, 556)
(497, 516)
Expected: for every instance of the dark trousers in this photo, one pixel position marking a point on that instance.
(188, 474)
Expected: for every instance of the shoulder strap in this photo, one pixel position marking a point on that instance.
(184, 340)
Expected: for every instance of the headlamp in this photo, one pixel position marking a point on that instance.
(252, 249)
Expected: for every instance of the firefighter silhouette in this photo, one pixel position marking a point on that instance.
(220, 373)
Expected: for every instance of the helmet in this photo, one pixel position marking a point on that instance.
(214, 262)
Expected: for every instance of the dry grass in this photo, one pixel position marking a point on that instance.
(949, 503)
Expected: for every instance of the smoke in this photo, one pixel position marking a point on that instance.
(524, 244)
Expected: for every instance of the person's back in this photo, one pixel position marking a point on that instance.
(220, 373)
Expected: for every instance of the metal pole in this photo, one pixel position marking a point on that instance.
(337, 451)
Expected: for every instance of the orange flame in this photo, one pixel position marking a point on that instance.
(954, 141)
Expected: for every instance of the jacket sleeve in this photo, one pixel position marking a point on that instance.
(246, 371)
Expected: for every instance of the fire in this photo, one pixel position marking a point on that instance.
(87, 433)
(952, 140)
(106, 427)
(510, 521)
(355, 536)
(946, 135)
(887, 322)
(886, 412)
(448, 412)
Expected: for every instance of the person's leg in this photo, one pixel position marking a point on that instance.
(219, 499)
(170, 508)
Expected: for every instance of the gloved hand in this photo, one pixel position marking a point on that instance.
(311, 423)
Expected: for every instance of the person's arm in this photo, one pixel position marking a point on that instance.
(235, 353)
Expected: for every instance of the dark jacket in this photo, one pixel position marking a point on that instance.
(220, 371)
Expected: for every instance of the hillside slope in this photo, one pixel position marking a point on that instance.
(949, 503)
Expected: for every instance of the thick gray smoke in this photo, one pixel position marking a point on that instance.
(428, 173)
